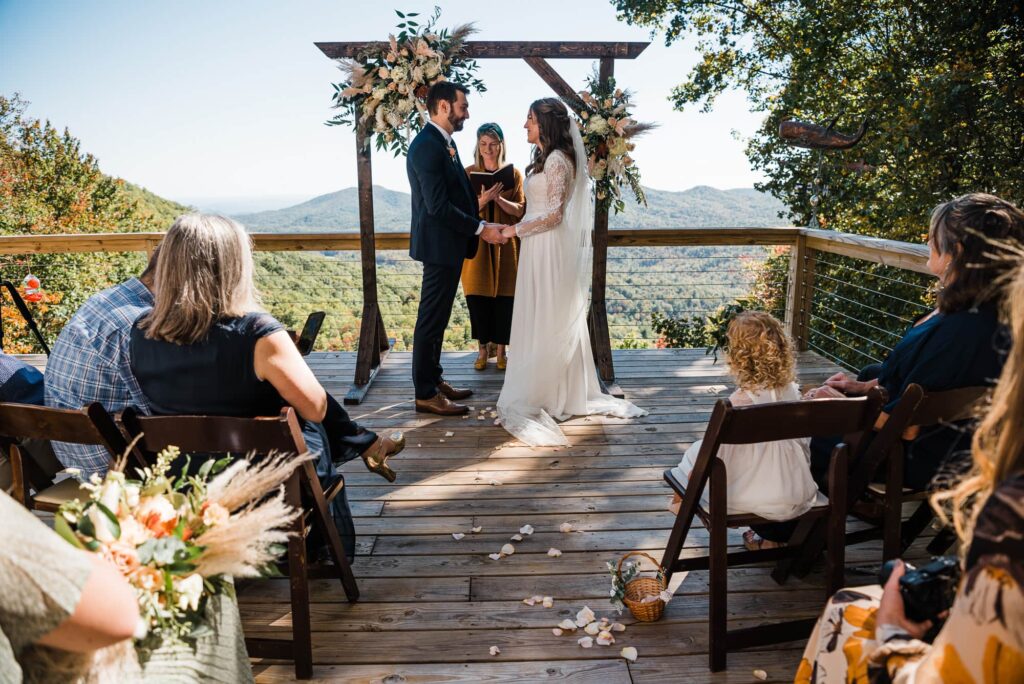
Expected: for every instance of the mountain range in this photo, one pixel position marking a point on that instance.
(698, 207)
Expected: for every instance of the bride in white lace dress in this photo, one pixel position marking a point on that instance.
(551, 373)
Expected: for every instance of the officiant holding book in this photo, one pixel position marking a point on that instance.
(489, 278)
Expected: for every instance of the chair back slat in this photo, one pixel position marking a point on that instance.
(796, 419)
(91, 425)
(948, 406)
(216, 434)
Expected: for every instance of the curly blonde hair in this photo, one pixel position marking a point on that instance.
(760, 354)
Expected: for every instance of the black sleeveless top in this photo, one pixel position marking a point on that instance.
(215, 376)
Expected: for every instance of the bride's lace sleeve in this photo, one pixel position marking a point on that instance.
(559, 175)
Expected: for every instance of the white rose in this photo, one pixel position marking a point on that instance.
(190, 590)
(597, 125)
(110, 494)
(131, 495)
(102, 524)
(215, 514)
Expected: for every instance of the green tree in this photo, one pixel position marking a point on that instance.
(940, 83)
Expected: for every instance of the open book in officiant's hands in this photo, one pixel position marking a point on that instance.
(481, 180)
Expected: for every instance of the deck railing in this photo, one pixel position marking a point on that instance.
(847, 297)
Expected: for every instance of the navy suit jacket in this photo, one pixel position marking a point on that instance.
(444, 208)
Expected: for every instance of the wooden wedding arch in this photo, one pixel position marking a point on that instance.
(373, 340)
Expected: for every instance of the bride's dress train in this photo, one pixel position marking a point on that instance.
(551, 373)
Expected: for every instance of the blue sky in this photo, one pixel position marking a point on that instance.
(221, 104)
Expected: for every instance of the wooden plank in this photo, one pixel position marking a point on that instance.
(912, 257)
(557, 83)
(373, 590)
(778, 662)
(571, 671)
(505, 49)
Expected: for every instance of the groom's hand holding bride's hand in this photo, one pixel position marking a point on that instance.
(492, 233)
(508, 232)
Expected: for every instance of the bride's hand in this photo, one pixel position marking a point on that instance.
(509, 231)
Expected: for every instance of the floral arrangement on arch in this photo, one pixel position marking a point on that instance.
(179, 540)
(386, 88)
(607, 129)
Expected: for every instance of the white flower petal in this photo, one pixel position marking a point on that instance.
(557, 632)
(494, 650)
(554, 553)
(618, 627)
(567, 625)
(494, 556)
(508, 549)
(665, 596)
(476, 530)
(516, 537)
(592, 629)
(526, 529)
(529, 601)
(605, 639)
(629, 653)
(585, 616)
(760, 674)
(548, 602)
(457, 535)
(495, 483)
(449, 434)
(565, 527)
(585, 642)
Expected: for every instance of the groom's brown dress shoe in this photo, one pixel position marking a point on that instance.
(454, 394)
(441, 405)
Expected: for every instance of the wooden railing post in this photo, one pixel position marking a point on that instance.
(372, 336)
(600, 339)
(800, 290)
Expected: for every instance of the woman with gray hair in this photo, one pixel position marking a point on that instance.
(207, 347)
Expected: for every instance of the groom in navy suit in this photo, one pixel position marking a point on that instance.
(445, 228)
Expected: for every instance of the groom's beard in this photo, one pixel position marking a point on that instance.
(455, 122)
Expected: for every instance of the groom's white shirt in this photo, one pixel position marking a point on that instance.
(448, 141)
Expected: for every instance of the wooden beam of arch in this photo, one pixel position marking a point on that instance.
(557, 83)
(508, 49)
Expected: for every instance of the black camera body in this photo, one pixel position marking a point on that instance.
(927, 591)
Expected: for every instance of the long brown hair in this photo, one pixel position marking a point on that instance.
(963, 228)
(204, 272)
(997, 448)
(553, 121)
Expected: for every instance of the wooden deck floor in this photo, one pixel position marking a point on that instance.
(432, 606)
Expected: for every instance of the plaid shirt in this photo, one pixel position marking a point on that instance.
(90, 362)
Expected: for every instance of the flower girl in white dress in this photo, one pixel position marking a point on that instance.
(769, 479)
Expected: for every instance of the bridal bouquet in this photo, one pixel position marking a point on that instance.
(607, 129)
(179, 540)
(386, 88)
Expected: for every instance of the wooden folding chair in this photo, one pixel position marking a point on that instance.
(90, 425)
(882, 502)
(749, 425)
(241, 436)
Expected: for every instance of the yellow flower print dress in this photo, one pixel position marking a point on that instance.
(982, 642)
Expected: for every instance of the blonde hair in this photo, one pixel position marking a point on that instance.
(760, 354)
(997, 448)
(478, 158)
(204, 273)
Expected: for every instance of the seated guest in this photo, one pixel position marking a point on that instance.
(208, 348)
(865, 634)
(773, 479)
(89, 363)
(959, 344)
(67, 615)
(21, 383)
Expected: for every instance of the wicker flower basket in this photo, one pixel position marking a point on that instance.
(640, 587)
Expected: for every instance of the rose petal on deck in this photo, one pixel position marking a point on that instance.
(494, 556)
(548, 602)
(495, 483)
(629, 653)
(605, 638)
(585, 642)
(449, 434)
(565, 527)
(494, 650)
(585, 616)
(567, 625)
(618, 627)
(592, 629)
(457, 535)
(516, 537)
(529, 601)
(554, 553)
(508, 549)
(526, 529)
(760, 674)
(557, 631)
(476, 530)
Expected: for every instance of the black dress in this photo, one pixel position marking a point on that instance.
(217, 376)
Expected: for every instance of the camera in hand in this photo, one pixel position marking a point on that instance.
(927, 591)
